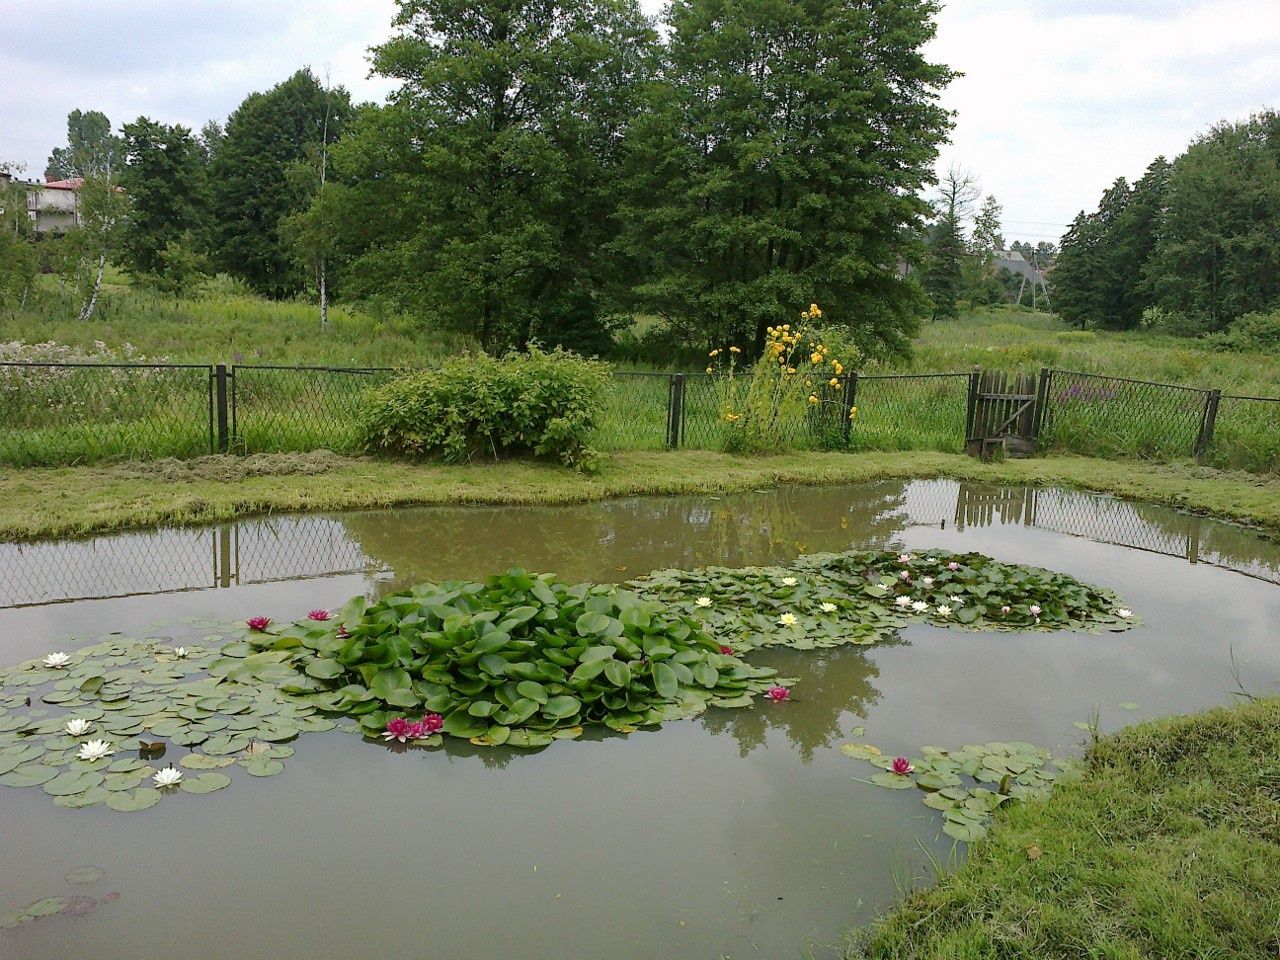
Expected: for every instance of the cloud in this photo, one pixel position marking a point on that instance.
(1058, 97)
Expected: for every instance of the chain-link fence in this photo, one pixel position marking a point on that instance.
(914, 412)
(281, 409)
(1116, 417)
(56, 414)
(1246, 434)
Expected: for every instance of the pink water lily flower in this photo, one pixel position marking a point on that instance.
(317, 614)
(342, 631)
(258, 623)
(953, 565)
(1035, 609)
(727, 651)
(779, 694)
(432, 723)
(398, 729)
(904, 558)
(902, 766)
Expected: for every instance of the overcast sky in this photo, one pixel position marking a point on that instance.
(1058, 97)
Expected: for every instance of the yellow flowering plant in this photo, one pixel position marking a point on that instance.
(796, 382)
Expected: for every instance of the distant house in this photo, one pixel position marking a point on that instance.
(1018, 265)
(53, 206)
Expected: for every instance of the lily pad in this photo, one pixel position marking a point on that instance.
(140, 799)
(204, 783)
(85, 875)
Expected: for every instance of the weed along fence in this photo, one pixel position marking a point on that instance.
(55, 414)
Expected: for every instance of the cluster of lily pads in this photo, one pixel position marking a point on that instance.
(969, 784)
(93, 727)
(860, 597)
(516, 659)
(72, 904)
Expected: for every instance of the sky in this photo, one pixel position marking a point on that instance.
(1057, 97)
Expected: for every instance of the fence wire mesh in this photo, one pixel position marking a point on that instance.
(1246, 434)
(284, 409)
(635, 412)
(910, 412)
(1114, 417)
(57, 414)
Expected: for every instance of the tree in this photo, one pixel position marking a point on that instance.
(987, 236)
(164, 175)
(18, 262)
(479, 196)
(91, 148)
(103, 208)
(1217, 253)
(266, 133)
(944, 277)
(779, 162)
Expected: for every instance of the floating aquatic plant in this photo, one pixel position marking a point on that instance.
(995, 773)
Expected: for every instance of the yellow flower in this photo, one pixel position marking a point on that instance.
(713, 353)
(834, 382)
(787, 327)
(815, 357)
(839, 367)
(853, 412)
(735, 349)
(814, 311)
(709, 370)
(812, 398)
(731, 417)
(791, 369)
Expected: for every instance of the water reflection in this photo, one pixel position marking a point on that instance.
(612, 540)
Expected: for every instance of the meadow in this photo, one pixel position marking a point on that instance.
(282, 410)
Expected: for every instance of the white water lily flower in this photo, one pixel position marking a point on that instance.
(927, 581)
(1005, 609)
(702, 602)
(168, 777)
(1124, 614)
(902, 601)
(56, 661)
(904, 575)
(956, 601)
(953, 565)
(1035, 609)
(904, 558)
(787, 620)
(788, 581)
(828, 607)
(944, 610)
(78, 727)
(180, 652)
(94, 750)
(919, 606)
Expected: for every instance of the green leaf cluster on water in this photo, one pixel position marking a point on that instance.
(71, 904)
(517, 659)
(967, 785)
(141, 698)
(855, 597)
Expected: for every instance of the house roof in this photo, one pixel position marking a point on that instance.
(75, 183)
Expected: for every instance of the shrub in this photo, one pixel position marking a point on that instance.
(1252, 333)
(542, 403)
(796, 383)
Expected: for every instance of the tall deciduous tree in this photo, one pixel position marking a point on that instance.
(165, 177)
(479, 195)
(780, 162)
(988, 236)
(92, 150)
(268, 132)
(944, 278)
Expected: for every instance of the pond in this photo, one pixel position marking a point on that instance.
(736, 834)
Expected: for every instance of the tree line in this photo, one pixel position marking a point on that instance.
(1189, 248)
(545, 169)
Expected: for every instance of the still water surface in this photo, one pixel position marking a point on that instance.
(739, 834)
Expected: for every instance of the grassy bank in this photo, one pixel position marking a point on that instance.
(1167, 846)
(46, 502)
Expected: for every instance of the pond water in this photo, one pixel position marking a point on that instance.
(741, 833)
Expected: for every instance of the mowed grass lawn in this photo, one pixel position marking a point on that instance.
(1167, 846)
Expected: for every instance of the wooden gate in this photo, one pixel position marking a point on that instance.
(1002, 413)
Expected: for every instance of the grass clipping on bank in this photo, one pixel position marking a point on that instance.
(1167, 845)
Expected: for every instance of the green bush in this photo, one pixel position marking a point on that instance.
(1252, 333)
(542, 403)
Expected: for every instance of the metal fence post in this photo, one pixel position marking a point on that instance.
(675, 410)
(1211, 401)
(1042, 403)
(850, 402)
(971, 403)
(220, 406)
